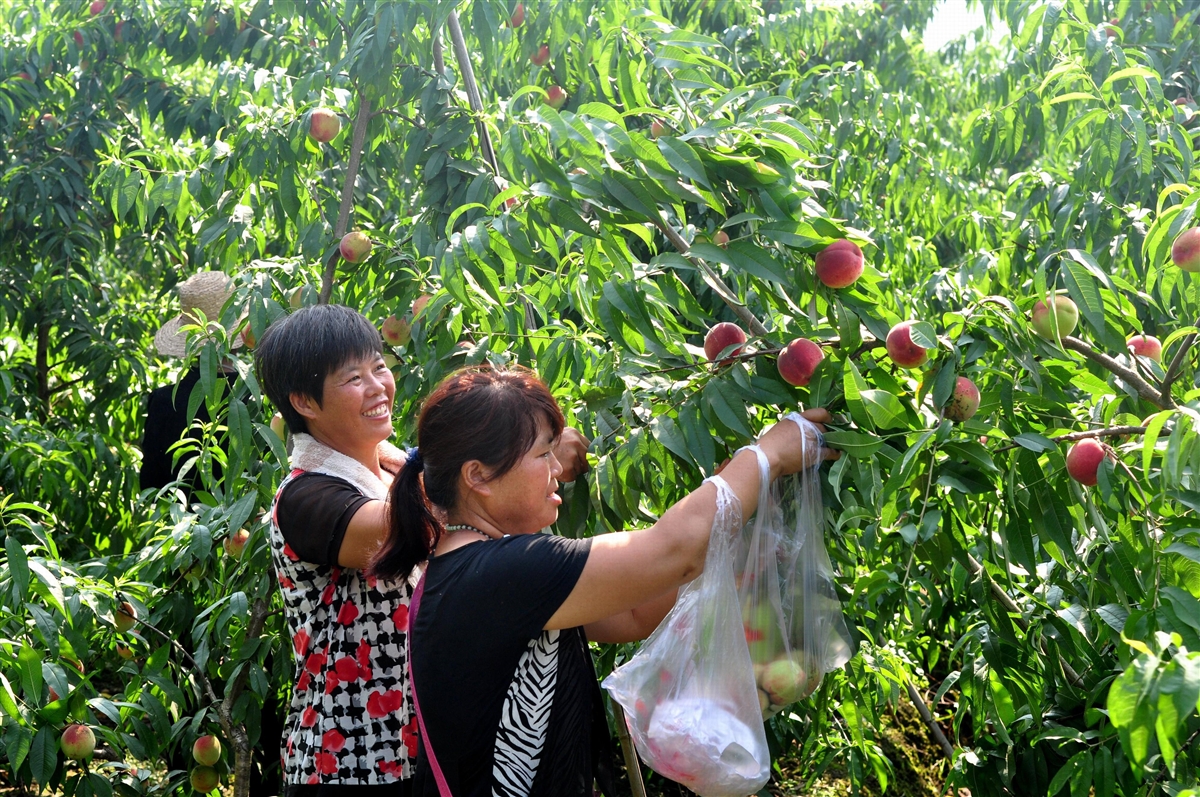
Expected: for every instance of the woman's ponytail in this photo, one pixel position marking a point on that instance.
(414, 529)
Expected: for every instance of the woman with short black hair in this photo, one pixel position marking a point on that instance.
(503, 683)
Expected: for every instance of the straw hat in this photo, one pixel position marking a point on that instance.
(205, 292)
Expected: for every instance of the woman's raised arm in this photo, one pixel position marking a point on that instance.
(627, 569)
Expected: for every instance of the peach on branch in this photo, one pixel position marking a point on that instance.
(210, 25)
(721, 337)
(901, 348)
(1083, 460)
(78, 742)
(839, 264)
(657, 128)
(556, 96)
(419, 304)
(798, 360)
(1185, 252)
(97, 7)
(324, 125)
(396, 331)
(1146, 346)
(205, 779)
(1066, 315)
(207, 750)
(124, 651)
(518, 16)
(964, 402)
(721, 239)
(124, 617)
(235, 545)
(279, 426)
(248, 338)
(355, 246)
(541, 56)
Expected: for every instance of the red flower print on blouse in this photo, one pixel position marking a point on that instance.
(333, 741)
(308, 718)
(315, 662)
(326, 763)
(408, 734)
(391, 768)
(289, 553)
(380, 704)
(400, 617)
(303, 682)
(347, 668)
(348, 613)
(300, 642)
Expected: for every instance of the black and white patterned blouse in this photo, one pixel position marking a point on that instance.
(350, 721)
(511, 710)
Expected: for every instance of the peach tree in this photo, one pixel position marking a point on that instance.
(588, 189)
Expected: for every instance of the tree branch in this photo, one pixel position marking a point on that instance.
(237, 731)
(1011, 607)
(468, 75)
(935, 730)
(715, 281)
(1176, 366)
(1111, 431)
(358, 138)
(1130, 377)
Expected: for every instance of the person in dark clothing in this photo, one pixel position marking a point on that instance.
(167, 419)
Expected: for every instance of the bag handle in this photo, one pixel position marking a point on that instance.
(413, 608)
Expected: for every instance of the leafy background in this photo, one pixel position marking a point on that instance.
(1046, 632)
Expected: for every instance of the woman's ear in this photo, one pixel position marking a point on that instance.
(304, 405)
(476, 477)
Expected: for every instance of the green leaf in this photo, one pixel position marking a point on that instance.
(884, 408)
(856, 444)
(18, 568)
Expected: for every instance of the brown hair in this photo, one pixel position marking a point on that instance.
(480, 413)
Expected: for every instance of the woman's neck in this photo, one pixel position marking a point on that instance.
(367, 457)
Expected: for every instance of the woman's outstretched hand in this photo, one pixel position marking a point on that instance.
(790, 449)
(571, 452)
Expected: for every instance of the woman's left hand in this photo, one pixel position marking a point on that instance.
(571, 453)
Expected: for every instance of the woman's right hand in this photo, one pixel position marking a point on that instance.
(790, 449)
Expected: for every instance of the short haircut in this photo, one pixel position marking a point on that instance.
(298, 351)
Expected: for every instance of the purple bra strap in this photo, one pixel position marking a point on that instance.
(414, 606)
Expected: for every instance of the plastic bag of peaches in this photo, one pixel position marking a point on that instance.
(790, 611)
(689, 692)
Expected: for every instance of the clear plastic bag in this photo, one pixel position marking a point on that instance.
(790, 611)
(689, 693)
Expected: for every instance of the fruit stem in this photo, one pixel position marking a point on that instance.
(1143, 388)
(714, 281)
(1176, 366)
(343, 222)
(473, 97)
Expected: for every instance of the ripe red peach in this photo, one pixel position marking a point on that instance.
(964, 403)
(721, 337)
(839, 264)
(1083, 460)
(901, 348)
(798, 360)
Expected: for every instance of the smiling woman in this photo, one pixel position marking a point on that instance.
(349, 723)
(504, 687)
